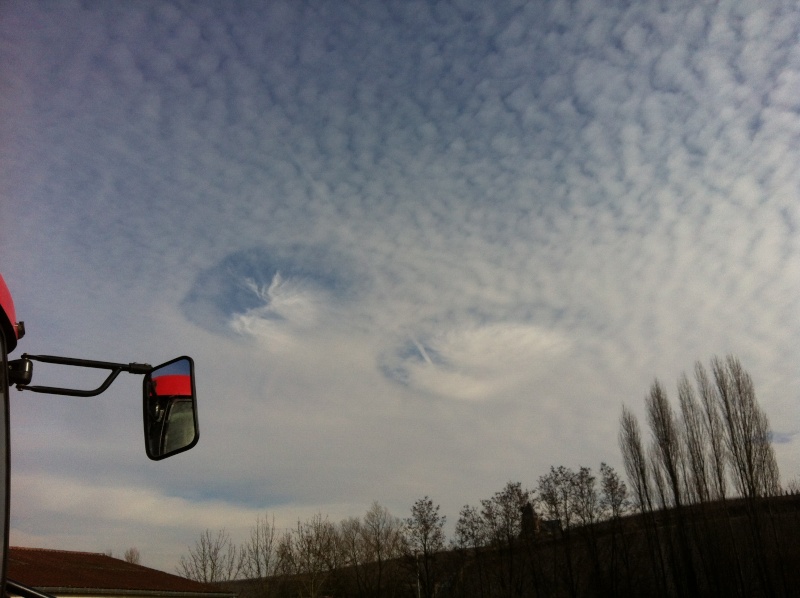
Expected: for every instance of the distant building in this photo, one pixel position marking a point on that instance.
(551, 527)
(92, 575)
(533, 525)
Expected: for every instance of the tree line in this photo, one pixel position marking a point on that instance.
(705, 516)
(708, 488)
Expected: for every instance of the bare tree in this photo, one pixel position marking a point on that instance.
(669, 469)
(259, 554)
(502, 514)
(558, 498)
(614, 503)
(502, 517)
(383, 536)
(723, 436)
(355, 553)
(696, 442)
(715, 434)
(133, 556)
(635, 460)
(747, 431)
(557, 495)
(614, 500)
(587, 507)
(496, 530)
(469, 539)
(469, 532)
(213, 558)
(287, 559)
(424, 539)
(638, 470)
(308, 553)
(751, 456)
(668, 453)
(587, 501)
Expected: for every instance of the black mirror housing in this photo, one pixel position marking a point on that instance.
(169, 406)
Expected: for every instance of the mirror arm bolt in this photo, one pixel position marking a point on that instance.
(140, 368)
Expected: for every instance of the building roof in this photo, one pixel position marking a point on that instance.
(64, 572)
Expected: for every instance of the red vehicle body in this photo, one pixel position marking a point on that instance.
(12, 330)
(169, 408)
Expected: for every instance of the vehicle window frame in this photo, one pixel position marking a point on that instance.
(5, 462)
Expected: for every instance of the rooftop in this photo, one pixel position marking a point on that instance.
(66, 572)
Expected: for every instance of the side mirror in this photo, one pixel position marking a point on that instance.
(170, 409)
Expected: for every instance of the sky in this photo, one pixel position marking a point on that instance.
(414, 248)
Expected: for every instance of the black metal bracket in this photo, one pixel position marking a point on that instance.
(23, 369)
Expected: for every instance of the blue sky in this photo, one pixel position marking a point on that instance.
(414, 248)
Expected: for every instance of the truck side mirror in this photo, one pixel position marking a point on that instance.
(169, 405)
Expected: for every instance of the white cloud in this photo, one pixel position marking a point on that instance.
(351, 218)
(85, 516)
(483, 362)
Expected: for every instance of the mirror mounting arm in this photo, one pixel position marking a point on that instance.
(23, 364)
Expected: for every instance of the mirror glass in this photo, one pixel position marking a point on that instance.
(170, 409)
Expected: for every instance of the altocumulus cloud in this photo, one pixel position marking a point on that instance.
(475, 362)
(295, 285)
(416, 248)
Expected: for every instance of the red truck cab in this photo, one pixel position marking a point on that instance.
(10, 331)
